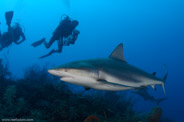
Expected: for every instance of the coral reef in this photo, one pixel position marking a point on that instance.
(155, 114)
(4, 72)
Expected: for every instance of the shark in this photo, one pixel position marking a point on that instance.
(110, 74)
(143, 92)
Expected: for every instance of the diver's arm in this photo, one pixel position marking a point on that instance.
(23, 39)
(71, 38)
(74, 36)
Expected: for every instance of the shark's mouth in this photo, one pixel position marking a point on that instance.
(67, 78)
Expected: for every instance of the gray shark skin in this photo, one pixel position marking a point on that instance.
(111, 74)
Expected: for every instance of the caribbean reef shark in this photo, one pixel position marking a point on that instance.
(143, 92)
(111, 74)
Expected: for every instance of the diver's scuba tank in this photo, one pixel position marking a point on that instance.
(8, 17)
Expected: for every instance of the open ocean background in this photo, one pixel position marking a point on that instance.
(152, 33)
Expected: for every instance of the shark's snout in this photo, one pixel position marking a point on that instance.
(53, 72)
(60, 72)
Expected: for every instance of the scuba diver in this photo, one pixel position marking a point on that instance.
(13, 34)
(65, 34)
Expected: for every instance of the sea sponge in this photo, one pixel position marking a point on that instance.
(92, 118)
(155, 114)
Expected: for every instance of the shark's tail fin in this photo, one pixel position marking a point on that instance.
(163, 87)
(164, 78)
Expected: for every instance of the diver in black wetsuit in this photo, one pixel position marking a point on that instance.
(65, 34)
(13, 35)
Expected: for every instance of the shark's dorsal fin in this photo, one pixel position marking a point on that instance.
(118, 53)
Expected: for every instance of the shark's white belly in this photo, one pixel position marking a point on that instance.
(110, 87)
(93, 83)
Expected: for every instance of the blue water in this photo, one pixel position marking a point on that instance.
(152, 33)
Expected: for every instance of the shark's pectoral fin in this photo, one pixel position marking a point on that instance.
(102, 80)
(118, 53)
(154, 73)
(87, 88)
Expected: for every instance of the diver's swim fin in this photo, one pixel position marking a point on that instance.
(50, 53)
(8, 17)
(35, 44)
